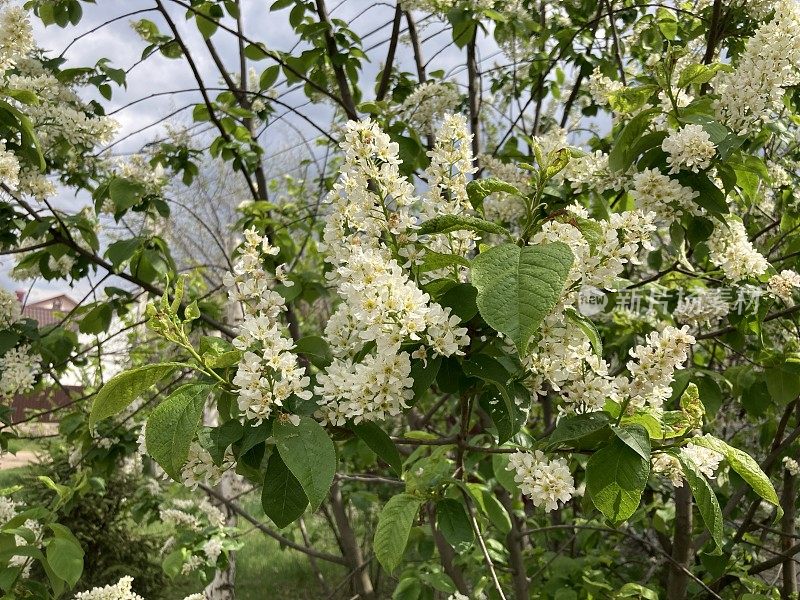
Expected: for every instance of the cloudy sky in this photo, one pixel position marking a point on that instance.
(161, 90)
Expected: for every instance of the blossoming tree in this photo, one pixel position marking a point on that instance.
(532, 323)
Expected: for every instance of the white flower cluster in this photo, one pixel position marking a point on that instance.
(381, 304)
(601, 87)
(371, 199)
(268, 373)
(18, 371)
(730, 249)
(791, 465)
(563, 357)
(668, 466)
(119, 591)
(16, 36)
(451, 163)
(655, 192)
(783, 285)
(705, 459)
(427, 105)
(618, 242)
(200, 468)
(371, 390)
(706, 307)
(60, 115)
(654, 365)
(10, 309)
(545, 482)
(689, 148)
(770, 63)
(9, 168)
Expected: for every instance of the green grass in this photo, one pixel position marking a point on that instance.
(9, 477)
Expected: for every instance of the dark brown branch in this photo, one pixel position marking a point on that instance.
(386, 75)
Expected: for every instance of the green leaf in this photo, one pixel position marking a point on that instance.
(409, 588)
(616, 476)
(282, 496)
(269, 77)
(699, 73)
(315, 349)
(97, 320)
(491, 507)
(380, 443)
(450, 223)
(394, 527)
(433, 261)
(310, 455)
(479, 189)
(711, 197)
(173, 424)
(783, 384)
(630, 99)
(745, 466)
(65, 558)
(501, 410)
(636, 438)
(518, 287)
(621, 157)
(453, 523)
(704, 497)
(124, 388)
(583, 431)
(125, 193)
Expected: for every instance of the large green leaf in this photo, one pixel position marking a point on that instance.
(617, 474)
(65, 558)
(394, 527)
(450, 223)
(310, 455)
(453, 523)
(123, 389)
(380, 443)
(518, 287)
(173, 424)
(282, 496)
(581, 431)
(704, 497)
(745, 466)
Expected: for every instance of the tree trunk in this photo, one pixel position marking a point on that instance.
(681, 544)
(789, 569)
(352, 551)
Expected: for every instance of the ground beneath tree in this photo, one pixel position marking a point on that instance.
(20, 459)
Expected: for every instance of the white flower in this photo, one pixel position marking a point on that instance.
(546, 482)
(668, 466)
(601, 87)
(10, 309)
(179, 519)
(118, 591)
(731, 250)
(200, 468)
(654, 365)
(268, 373)
(9, 168)
(688, 148)
(18, 371)
(706, 460)
(791, 465)
(16, 38)
(749, 95)
(654, 191)
(705, 307)
(212, 549)
(428, 103)
(372, 390)
(784, 284)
